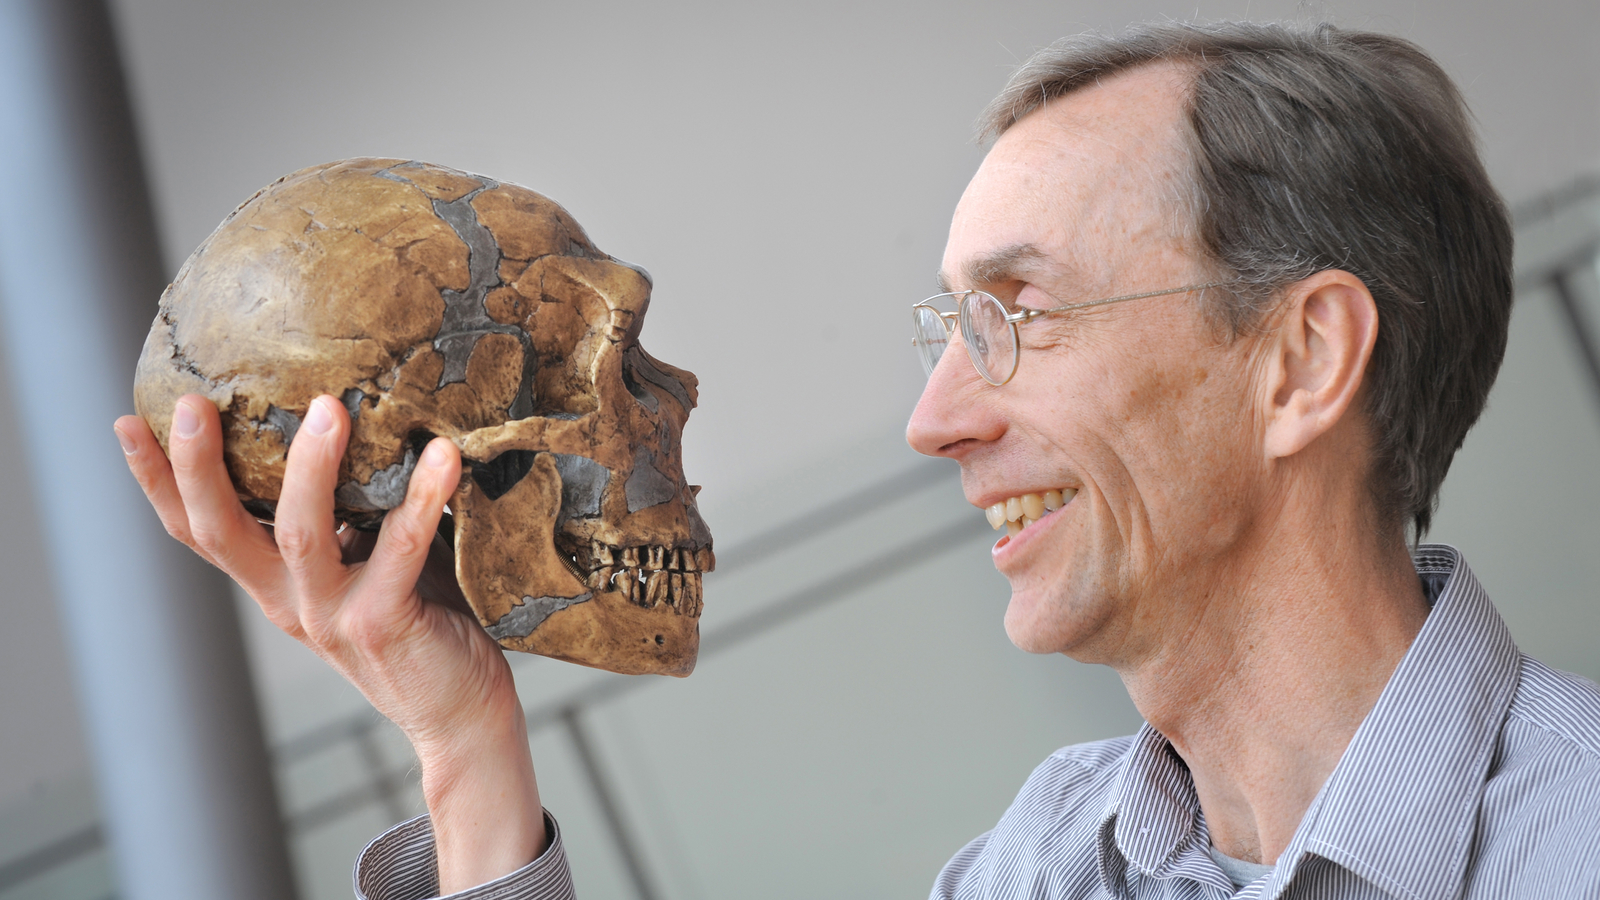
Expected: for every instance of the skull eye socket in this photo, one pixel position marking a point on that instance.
(501, 474)
(560, 392)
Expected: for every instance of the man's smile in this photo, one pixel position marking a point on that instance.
(1017, 513)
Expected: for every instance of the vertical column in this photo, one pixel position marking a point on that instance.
(185, 781)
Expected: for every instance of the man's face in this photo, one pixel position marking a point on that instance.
(1142, 408)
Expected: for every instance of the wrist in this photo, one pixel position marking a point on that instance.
(483, 799)
(455, 761)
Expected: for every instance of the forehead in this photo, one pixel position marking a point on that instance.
(1084, 185)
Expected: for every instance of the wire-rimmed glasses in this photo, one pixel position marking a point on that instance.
(990, 332)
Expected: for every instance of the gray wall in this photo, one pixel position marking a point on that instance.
(787, 172)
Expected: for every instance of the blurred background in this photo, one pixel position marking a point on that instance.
(786, 172)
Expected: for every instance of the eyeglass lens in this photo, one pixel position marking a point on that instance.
(990, 341)
(931, 336)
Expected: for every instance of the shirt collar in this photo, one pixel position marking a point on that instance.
(1152, 826)
(1400, 809)
(1406, 790)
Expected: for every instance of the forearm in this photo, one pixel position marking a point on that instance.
(484, 803)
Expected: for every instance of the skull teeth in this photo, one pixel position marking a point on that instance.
(656, 588)
(647, 576)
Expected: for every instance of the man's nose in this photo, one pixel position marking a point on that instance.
(953, 412)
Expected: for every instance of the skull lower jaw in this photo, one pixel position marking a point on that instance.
(609, 631)
(540, 585)
(641, 614)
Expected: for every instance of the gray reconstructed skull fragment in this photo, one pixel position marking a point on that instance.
(438, 303)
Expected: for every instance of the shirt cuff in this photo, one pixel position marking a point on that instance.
(402, 864)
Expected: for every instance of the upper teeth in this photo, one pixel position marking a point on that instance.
(1017, 513)
(649, 576)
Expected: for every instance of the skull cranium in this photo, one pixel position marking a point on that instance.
(438, 303)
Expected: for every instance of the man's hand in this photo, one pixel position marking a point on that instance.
(423, 661)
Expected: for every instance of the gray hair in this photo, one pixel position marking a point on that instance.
(1330, 149)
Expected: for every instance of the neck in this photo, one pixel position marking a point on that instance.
(1283, 649)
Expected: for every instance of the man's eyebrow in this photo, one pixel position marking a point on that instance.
(1006, 264)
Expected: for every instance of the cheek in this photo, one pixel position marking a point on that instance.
(1153, 419)
(1216, 418)
(1186, 435)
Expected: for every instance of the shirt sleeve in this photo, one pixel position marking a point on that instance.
(402, 864)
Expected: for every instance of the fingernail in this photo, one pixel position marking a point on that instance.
(318, 419)
(128, 446)
(184, 422)
(434, 455)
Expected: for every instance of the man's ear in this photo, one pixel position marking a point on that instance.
(1326, 327)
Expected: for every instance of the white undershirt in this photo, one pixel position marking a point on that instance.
(1238, 871)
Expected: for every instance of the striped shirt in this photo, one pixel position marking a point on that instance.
(1476, 775)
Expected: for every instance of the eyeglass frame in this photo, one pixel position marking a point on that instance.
(1022, 316)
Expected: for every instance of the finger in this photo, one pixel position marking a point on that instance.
(151, 469)
(409, 529)
(219, 526)
(438, 583)
(304, 525)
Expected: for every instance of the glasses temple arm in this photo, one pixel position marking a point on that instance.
(1028, 315)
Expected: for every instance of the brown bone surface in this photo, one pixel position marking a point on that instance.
(434, 302)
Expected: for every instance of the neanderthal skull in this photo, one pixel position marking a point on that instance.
(440, 303)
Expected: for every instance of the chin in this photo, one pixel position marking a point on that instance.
(1029, 629)
(1052, 623)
